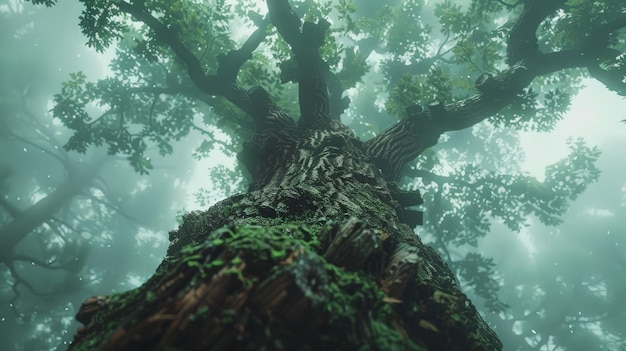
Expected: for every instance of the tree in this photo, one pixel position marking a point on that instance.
(320, 251)
(61, 212)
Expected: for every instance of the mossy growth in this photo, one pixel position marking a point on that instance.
(251, 288)
(348, 306)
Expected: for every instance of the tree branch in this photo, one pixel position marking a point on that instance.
(207, 83)
(224, 82)
(401, 143)
(506, 4)
(35, 215)
(600, 35)
(38, 128)
(393, 148)
(312, 71)
(20, 280)
(286, 21)
(522, 43)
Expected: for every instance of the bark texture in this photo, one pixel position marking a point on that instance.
(315, 257)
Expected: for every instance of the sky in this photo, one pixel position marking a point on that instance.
(595, 115)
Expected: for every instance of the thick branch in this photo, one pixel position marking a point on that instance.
(230, 64)
(600, 35)
(506, 4)
(522, 43)
(224, 82)
(392, 149)
(285, 19)
(401, 143)
(207, 83)
(312, 71)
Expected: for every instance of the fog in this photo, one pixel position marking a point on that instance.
(105, 228)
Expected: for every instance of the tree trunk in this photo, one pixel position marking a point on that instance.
(318, 255)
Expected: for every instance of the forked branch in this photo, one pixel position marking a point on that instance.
(312, 71)
(402, 142)
(221, 84)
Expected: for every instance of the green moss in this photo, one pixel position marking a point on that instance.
(348, 307)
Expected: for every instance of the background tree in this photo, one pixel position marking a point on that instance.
(567, 288)
(62, 214)
(485, 188)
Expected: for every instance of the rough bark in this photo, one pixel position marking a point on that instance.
(316, 256)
